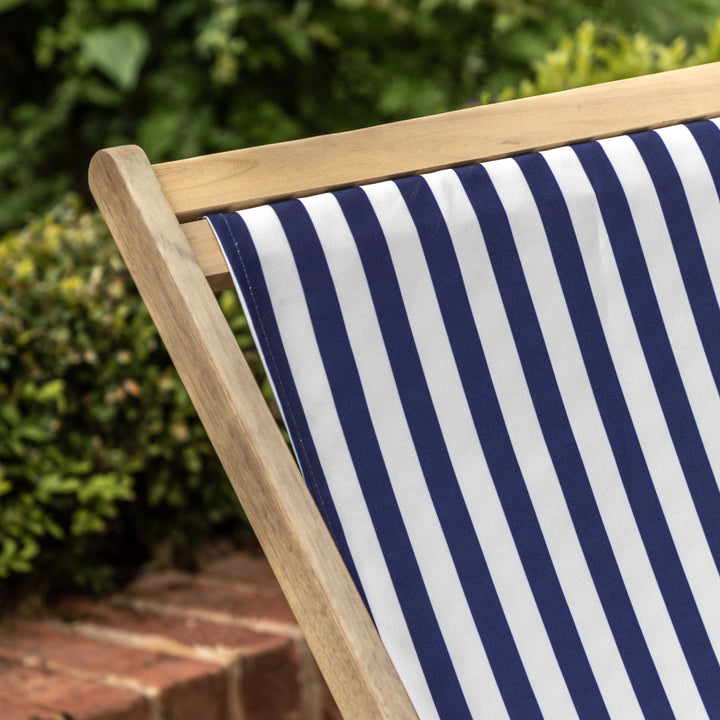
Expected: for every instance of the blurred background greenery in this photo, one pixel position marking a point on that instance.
(103, 465)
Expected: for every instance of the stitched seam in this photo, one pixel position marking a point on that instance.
(280, 386)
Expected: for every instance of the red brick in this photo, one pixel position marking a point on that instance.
(270, 686)
(268, 664)
(248, 570)
(183, 636)
(51, 694)
(24, 709)
(176, 680)
(190, 631)
(192, 592)
(196, 698)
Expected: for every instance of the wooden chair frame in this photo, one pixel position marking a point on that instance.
(153, 211)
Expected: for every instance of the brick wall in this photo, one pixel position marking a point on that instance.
(218, 645)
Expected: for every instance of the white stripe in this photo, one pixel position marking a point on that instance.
(466, 453)
(316, 397)
(700, 191)
(589, 433)
(649, 423)
(689, 354)
(704, 205)
(579, 402)
(419, 516)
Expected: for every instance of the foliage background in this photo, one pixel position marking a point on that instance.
(103, 465)
(195, 76)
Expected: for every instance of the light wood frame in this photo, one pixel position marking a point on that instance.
(153, 213)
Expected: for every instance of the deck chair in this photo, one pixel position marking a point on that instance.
(494, 336)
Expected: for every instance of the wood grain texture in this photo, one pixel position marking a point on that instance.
(274, 496)
(207, 251)
(253, 176)
(244, 178)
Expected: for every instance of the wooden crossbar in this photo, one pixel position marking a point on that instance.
(244, 178)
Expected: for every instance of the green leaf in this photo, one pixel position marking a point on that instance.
(56, 484)
(119, 52)
(9, 413)
(6, 5)
(51, 391)
(8, 550)
(33, 433)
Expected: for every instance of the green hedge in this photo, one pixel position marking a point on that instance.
(594, 54)
(103, 463)
(188, 77)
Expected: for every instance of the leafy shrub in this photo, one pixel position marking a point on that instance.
(593, 54)
(102, 460)
(193, 76)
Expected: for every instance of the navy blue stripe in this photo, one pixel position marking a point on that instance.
(434, 459)
(691, 261)
(701, 296)
(346, 387)
(490, 426)
(676, 409)
(707, 137)
(618, 425)
(245, 266)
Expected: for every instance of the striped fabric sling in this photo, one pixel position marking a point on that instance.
(501, 382)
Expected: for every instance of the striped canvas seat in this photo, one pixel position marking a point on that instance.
(501, 385)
